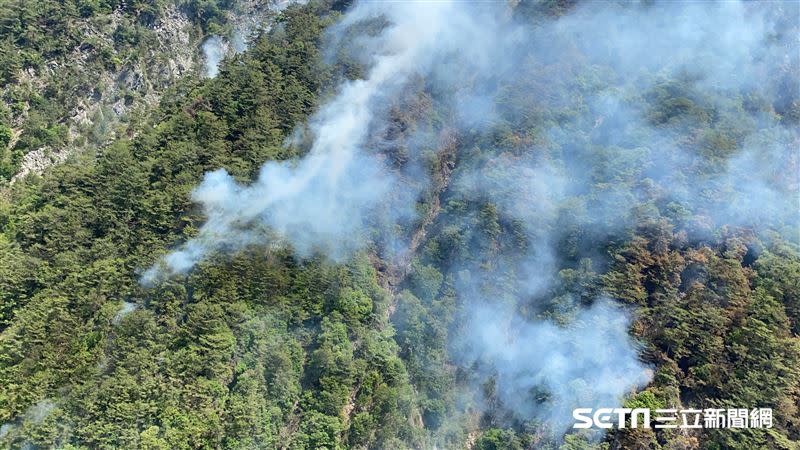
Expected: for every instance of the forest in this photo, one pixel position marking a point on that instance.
(400, 225)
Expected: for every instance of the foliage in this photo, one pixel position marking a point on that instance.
(262, 349)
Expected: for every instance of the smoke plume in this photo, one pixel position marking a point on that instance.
(214, 50)
(254, 17)
(590, 163)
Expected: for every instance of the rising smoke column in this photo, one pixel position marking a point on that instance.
(320, 202)
(214, 50)
(323, 201)
(326, 201)
(215, 47)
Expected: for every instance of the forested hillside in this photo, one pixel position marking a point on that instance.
(76, 74)
(392, 225)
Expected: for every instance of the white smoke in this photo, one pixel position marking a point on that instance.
(320, 202)
(329, 200)
(590, 363)
(127, 308)
(256, 16)
(214, 50)
(35, 414)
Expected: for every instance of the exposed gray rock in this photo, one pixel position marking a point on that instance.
(113, 94)
(37, 161)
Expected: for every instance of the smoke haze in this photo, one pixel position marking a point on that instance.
(605, 152)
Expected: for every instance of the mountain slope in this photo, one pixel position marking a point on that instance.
(556, 224)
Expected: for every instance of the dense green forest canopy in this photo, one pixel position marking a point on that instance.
(61, 59)
(527, 181)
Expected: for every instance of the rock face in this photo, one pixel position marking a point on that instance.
(101, 102)
(174, 39)
(247, 18)
(104, 98)
(38, 161)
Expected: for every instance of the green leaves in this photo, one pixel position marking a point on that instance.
(714, 330)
